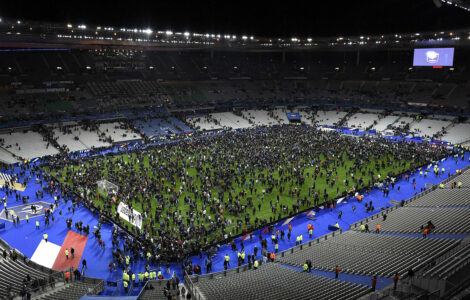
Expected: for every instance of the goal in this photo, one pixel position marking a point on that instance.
(107, 187)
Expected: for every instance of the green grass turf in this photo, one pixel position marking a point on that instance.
(397, 167)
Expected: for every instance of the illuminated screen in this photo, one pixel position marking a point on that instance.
(429, 57)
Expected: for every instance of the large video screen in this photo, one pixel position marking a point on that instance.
(429, 57)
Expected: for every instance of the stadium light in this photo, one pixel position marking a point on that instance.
(186, 33)
(244, 37)
(169, 32)
(148, 31)
(69, 25)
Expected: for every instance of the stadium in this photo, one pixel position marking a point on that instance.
(139, 162)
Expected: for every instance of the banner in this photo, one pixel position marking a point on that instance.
(293, 116)
(134, 217)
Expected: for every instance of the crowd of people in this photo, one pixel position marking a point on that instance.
(200, 191)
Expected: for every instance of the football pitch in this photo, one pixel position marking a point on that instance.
(201, 185)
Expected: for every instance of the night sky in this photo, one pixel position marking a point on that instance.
(261, 18)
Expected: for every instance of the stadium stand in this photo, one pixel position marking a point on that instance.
(329, 118)
(353, 251)
(27, 144)
(272, 281)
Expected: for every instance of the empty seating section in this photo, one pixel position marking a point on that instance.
(307, 116)
(162, 127)
(118, 132)
(144, 128)
(458, 133)
(403, 121)
(428, 128)
(7, 157)
(362, 120)
(183, 127)
(280, 115)
(369, 253)
(205, 122)
(272, 281)
(330, 117)
(27, 144)
(410, 219)
(443, 197)
(259, 117)
(90, 137)
(228, 119)
(383, 123)
(455, 260)
(67, 138)
(73, 291)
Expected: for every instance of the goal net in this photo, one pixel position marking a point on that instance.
(107, 187)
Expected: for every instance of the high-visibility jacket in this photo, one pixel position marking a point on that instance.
(459, 184)
(133, 277)
(243, 255)
(227, 258)
(276, 246)
(310, 232)
(141, 276)
(159, 273)
(272, 256)
(305, 267)
(298, 238)
(301, 238)
(45, 236)
(66, 252)
(154, 275)
(27, 217)
(127, 260)
(239, 254)
(124, 283)
(256, 264)
(146, 275)
(378, 226)
(37, 223)
(363, 227)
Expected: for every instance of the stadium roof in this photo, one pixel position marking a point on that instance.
(273, 19)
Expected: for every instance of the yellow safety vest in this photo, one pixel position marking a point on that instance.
(125, 283)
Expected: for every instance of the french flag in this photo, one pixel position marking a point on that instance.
(52, 256)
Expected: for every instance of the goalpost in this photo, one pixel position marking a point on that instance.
(107, 187)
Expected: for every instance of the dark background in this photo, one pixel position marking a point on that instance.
(261, 18)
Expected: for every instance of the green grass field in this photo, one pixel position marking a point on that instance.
(181, 159)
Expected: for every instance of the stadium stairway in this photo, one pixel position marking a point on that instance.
(382, 282)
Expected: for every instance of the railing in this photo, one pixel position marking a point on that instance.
(309, 243)
(99, 285)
